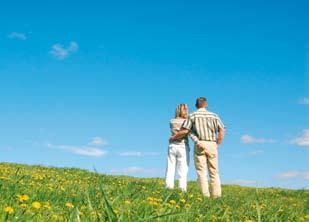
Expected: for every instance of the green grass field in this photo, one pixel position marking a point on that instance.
(34, 193)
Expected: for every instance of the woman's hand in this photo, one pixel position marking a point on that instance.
(200, 145)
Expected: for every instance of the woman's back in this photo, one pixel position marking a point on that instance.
(175, 125)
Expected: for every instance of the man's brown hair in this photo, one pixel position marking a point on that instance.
(200, 102)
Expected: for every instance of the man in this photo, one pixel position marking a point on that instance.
(209, 130)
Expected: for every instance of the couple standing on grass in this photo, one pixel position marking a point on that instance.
(207, 131)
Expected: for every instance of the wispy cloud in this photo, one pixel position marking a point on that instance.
(304, 101)
(249, 154)
(293, 174)
(80, 150)
(302, 140)
(61, 52)
(255, 153)
(247, 139)
(244, 182)
(136, 170)
(97, 141)
(138, 154)
(17, 35)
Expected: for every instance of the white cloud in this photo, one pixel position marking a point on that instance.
(61, 52)
(17, 35)
(138, 154)
(244, 182)
(136, 170)
(293, 174)
(256, 152)
(97, 141)
(303, 140)
(304, 101)
(80, 150)
(246, 139)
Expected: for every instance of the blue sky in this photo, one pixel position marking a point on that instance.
(94, 84)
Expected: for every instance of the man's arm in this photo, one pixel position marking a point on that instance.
(194, 138)
(221, 134)
(181, 133)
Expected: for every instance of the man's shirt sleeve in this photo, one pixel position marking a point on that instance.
(220, 124)
(187, 124)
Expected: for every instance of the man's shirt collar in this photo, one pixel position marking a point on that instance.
(201, 109)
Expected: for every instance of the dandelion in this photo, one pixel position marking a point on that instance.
(46, 205)
(182, 201)
(69, 205)
(127, 202)
(248, 221)
(23, 198)
(36, 205)
(150, 199)
(172, 202)
(9, 210)
(153, 201)
(116, 211)
(23, 206)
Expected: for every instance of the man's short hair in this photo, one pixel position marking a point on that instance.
(200, 101)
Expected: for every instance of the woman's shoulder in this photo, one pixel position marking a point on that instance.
(177, 120)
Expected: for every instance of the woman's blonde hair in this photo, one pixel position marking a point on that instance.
(182, 111)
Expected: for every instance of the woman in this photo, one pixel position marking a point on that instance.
(178, 151)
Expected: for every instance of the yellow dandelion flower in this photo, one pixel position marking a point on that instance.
(36, 205)
(116, 211)
(149, 199)
(248, 221)
(182, 201)
(173, 202)
(307, 216)
(46, 205)
(23, 206)
(9, 210)
(69, 205)
(127, 202)
(23, 198)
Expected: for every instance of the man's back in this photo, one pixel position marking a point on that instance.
(204, 124)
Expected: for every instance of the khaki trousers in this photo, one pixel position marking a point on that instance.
(207, 158)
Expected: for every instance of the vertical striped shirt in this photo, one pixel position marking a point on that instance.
(204, 124)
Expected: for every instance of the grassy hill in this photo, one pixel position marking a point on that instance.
(34, 193)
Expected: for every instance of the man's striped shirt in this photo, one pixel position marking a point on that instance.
(204, 124)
